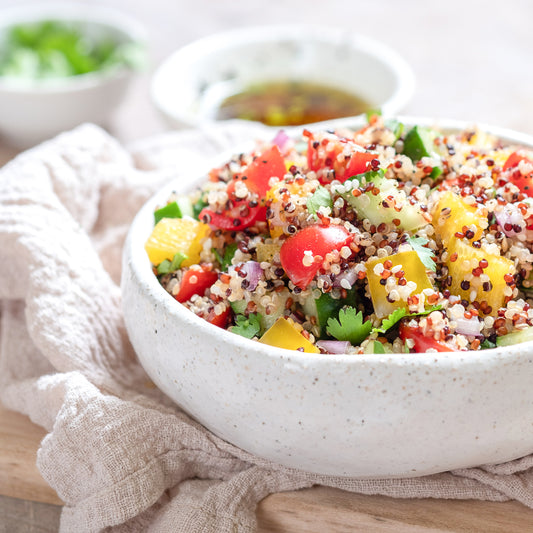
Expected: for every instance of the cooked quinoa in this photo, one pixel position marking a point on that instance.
(387, 239)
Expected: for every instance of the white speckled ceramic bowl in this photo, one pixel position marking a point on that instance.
(189, 86)
(360, 416)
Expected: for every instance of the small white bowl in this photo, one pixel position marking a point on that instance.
(361, 416)
(189, 86)
(34, 110)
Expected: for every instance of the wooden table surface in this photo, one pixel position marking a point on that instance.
(472, 61)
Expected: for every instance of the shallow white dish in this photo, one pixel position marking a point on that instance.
(189, 85)
(360, 416)
(35, 111)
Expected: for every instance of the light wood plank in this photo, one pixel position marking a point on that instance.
(312, 510)
(19, 477)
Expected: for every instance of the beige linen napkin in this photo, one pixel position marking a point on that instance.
(120, 455)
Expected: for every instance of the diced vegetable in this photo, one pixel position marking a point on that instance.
(331, 156)
(452, 214)
(385, 203)
(523, 182)
(195, 281)
(464, 261)
(302, 254)
(266, 165)
(422, 341)
(414, 272)
(419, 143)
(176, 235)
(284, 334)
(515, 337)
(326, 307)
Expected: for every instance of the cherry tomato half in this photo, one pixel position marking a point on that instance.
(524, 183)
(318, 240)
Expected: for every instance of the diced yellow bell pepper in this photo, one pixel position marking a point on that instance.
(278, 222)
(460, 214)
(414, 270)
(173, 235)
(284, 334)
(465, 259)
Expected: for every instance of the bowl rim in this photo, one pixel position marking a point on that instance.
(97, 14)
(135, 256)
(389, 57)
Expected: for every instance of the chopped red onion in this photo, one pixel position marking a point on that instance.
(469, 326)
(334, 347)
(253, 272)
(349, 275)
(281, 139)
(297, 318)
(507, 219)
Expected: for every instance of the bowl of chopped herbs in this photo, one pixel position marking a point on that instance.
(62, 65)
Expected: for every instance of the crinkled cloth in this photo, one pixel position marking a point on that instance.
(119, 454)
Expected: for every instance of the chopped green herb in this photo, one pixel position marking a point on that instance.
(57, 49)
(349, 326)
(392, 319)
(486, 345)
(400, 313)
(320, 198)
(198, 206)
(426, 254)
(166, 266)
(225, 261)
(247, 327)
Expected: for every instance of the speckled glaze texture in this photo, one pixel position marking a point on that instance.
(358, 416)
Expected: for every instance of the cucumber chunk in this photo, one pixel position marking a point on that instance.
(378, 208)
(516, 337)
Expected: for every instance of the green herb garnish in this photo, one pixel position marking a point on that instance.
(487, 345)
(229, 252)
(320, 198)
(349, 326)
(249, 326)
(58, 49)
(400, 313)
(426, 255)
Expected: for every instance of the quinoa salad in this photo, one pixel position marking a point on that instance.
(388, 239)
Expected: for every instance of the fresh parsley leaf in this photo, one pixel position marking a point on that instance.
(166, 266)
(229, 252)
(426, 255)
(247, 327)
(400, 313)
(392, 319)
(349, 326)
(320, 198)
(378, 347)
